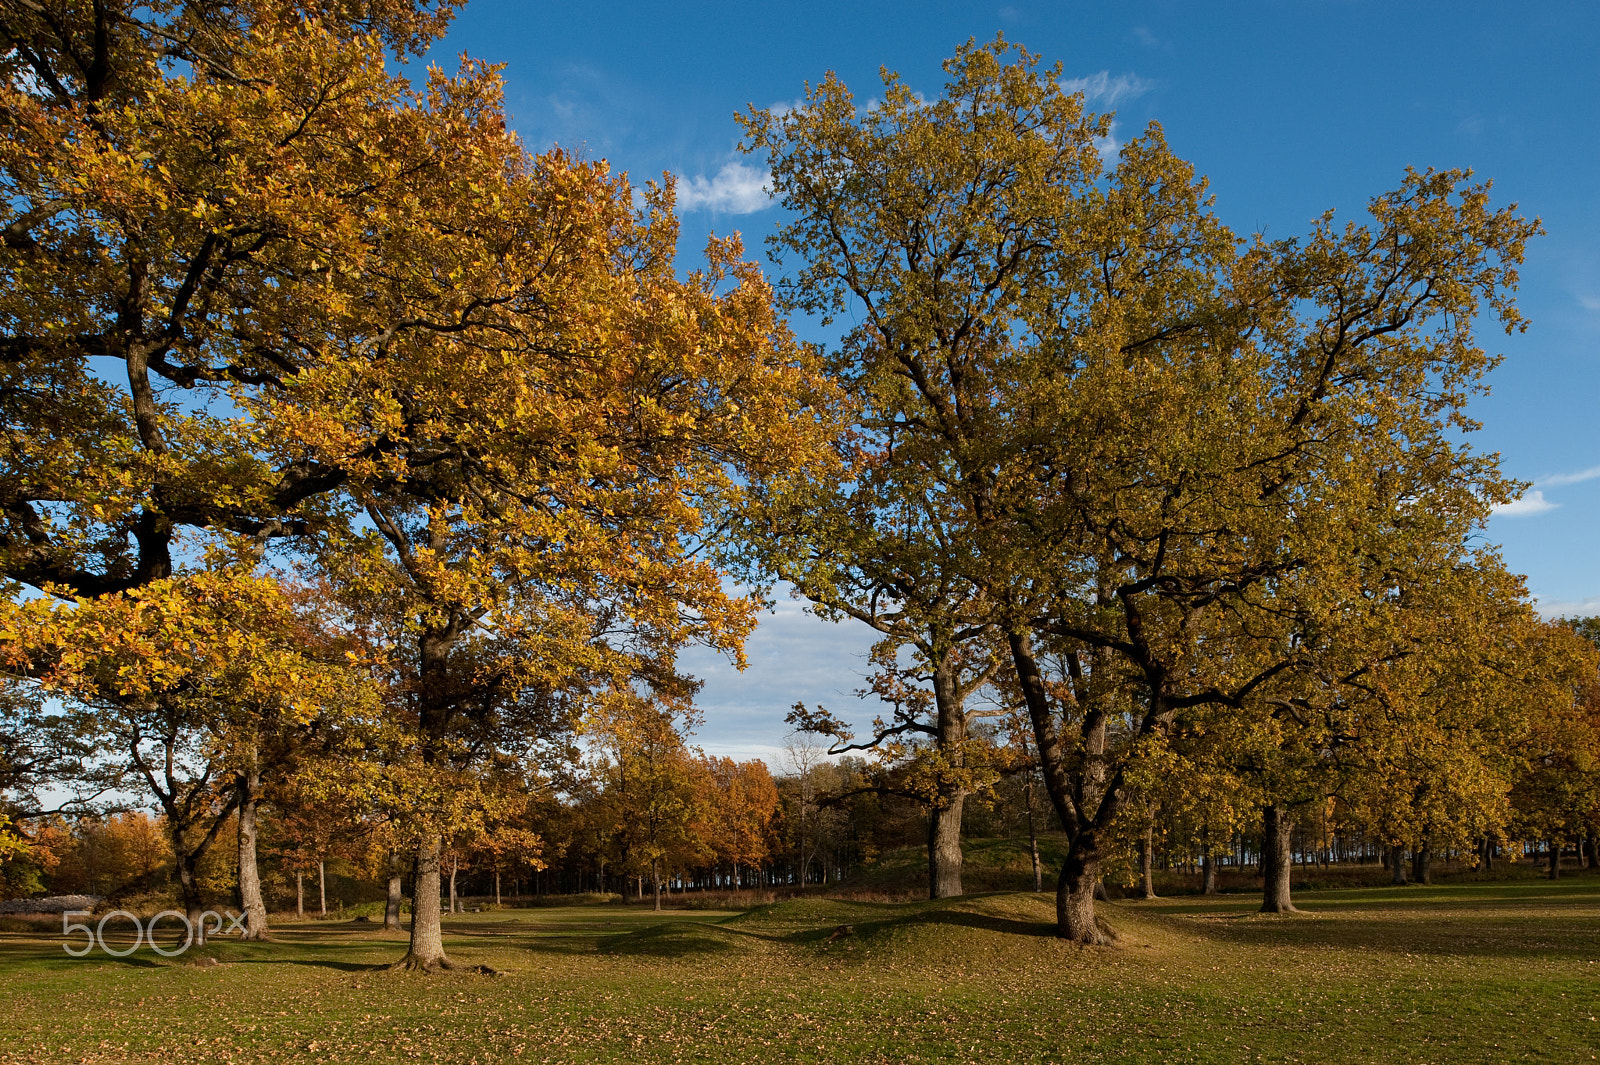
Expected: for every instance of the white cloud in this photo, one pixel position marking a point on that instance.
(737, 189)
(793, 656)
(787, 107)
(1561, 479)
(1530, 504)
(1561, 608)
(1589, 303)
(1108, 147)
(1103, 88)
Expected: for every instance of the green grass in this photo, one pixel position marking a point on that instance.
(1483, 972)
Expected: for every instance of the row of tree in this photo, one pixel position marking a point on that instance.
(356, 459)
(696, 823)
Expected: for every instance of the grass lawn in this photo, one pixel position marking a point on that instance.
(1484, 972)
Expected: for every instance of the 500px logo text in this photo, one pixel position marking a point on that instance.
(145, 932)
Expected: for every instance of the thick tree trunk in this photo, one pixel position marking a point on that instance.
(1555, 859)
(391, 906)
(250, 901)
(1277, 859)
(944, 848)
(1208, 874)
(1147, 861)
(1075, 893)
(427, 936)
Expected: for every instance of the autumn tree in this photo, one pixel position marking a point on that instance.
(473, 374)
(1555, 793)
(652, 791)
(933, 748)
(179, 179)
(737, 812)
(188, 693)
(1148, 428)
(905, 215)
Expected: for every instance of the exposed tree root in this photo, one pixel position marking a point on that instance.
(1103, 935)
(411, 963)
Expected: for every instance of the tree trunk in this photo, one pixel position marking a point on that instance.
(455, 867)
(1555, 859)
(1147, 876)
(1422, 863)
(1277, 859)
(497, 889)
(1208, 874)
(391, 907)
(1397, 863)
(1033, 839)
(322, 887)
(944, 848)
(1075, 891)
(944, 816)
(300, 894)
(1077, 793)
(194, 903)
(248, 785)
(435, 706)
(427, 937)
(655, 880)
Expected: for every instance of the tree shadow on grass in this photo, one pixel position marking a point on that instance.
(675, 940)
(1443, 930)
(867, 930)
(315, 963)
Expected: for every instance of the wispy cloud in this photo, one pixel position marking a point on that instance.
(736, 189)
(1563, 608)
(1108, 147)
(786, 107)
(1530, 504)
(1107, 89)
(1143, 35)
(1559, 480)
(1589, 303)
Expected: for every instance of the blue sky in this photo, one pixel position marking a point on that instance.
(1290, 108)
